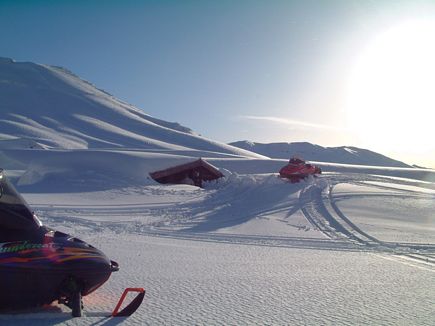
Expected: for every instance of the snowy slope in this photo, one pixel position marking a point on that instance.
(54, 108)
(308, 151)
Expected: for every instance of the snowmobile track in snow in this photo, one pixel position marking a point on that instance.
(239, 239)
(314, 209)
(320, 209)
(314, 199)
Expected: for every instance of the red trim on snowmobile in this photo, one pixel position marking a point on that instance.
(132, 306)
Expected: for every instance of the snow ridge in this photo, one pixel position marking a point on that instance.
(343, 154)
(56, 109)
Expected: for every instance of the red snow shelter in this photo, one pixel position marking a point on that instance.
(194, 173)
(297, 169)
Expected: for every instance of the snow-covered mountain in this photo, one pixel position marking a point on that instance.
(50, 107)
(308, 151)
(47, 107)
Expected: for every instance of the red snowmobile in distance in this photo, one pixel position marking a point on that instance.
(297, 170)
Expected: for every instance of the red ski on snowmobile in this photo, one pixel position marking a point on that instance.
(39, 265)
(297, 170)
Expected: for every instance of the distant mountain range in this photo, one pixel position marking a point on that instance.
(44, 106)
(311, 152)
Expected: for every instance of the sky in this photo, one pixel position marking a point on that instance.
(332, 73)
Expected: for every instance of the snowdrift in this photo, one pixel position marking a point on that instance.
(97, 169)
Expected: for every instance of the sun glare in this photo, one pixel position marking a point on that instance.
(391, 99)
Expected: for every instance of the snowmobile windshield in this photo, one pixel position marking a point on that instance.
(15, 214)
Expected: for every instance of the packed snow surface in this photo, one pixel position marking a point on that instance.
(344, 248)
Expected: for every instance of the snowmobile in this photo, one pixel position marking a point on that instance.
(39, 265)
(297, 170)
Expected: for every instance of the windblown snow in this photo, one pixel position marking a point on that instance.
(354, 246)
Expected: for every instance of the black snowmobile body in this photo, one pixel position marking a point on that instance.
(39, 265)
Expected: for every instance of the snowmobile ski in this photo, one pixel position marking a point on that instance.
(132, 306)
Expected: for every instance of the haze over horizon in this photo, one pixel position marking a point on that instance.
(336, 73)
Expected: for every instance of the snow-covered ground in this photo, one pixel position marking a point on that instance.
(353, 246)
(390, 212)
(340, 249)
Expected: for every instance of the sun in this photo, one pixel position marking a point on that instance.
(391, 95)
